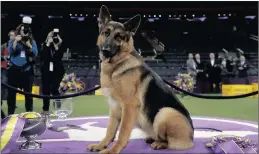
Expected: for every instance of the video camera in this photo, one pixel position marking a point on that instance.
(55, 35)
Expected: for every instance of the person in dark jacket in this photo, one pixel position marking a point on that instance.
(52, 69)
(213, 73)
(225, 73)
(242, 69)
(201, 76)
(4, 67)
(22, 51)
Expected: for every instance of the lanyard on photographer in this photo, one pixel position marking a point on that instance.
(51, 65)
(52, 52)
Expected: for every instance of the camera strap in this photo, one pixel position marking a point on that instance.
(52, 52)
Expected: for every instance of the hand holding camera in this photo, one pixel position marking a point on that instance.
(28, 44)
(54, 40)
(50, 40)
(56, 37)
(18, 38)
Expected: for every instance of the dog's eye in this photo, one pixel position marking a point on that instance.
(119, 37)
(107, 33)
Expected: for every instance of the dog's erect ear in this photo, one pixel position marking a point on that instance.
(104, 16)
(132, 24)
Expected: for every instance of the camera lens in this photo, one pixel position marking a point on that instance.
(55, 40)
(26, 31)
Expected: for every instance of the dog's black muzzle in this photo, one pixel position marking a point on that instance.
(107, 53)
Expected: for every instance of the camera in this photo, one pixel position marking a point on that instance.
(26, 24)
(55, 35)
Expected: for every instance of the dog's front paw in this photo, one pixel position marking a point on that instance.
(109, 151)
(96, 147)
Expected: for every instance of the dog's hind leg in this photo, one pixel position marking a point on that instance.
(172, 130)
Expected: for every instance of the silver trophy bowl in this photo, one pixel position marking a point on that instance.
(33, 127)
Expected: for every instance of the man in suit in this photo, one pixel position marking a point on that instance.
(242, 69)
(225, 73)
(200, 77)
(213, 73)
(191, 66)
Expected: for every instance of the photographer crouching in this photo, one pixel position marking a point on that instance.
(52, 69)
(22, 51)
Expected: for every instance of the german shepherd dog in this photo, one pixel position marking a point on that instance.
(136, 94)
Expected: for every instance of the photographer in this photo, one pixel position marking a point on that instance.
(4, 67)
(52, 69)
(22, 51)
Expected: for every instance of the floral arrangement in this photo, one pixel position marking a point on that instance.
(232, 144)
(70, 83)
(185, 82)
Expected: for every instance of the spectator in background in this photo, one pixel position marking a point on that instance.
(4, 50)
(52, 69)
(239, 53)
(191, 66)
(230, 65)
(226, 75)
(213, 73)
(4, 63)
(67, 54)
(242, 69)
(22, 51)
(200, 77)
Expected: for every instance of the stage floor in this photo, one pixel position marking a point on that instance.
(76, 141)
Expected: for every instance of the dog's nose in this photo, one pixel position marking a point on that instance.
(105, 50)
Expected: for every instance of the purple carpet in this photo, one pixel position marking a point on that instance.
(76, 141)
